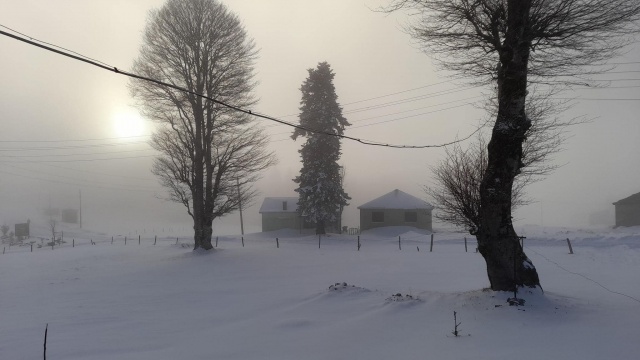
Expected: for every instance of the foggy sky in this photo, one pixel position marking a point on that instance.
(47, 100)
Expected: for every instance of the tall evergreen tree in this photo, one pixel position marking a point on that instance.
(319, 183)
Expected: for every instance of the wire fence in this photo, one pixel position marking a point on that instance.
(413, 242)
(338, 242)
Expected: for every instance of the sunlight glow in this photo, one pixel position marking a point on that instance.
(128, 123)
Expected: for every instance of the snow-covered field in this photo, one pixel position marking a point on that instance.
(117, 301)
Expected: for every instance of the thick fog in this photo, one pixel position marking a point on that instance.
(69, 130)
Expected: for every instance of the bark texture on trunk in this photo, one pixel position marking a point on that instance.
(507, 265)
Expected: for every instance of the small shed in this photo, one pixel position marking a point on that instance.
(280, 213)
(396, 208)
(628, 211)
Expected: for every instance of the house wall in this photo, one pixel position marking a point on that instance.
(280, 220)
(395, 217)
(627, 214)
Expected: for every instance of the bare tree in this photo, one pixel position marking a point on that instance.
(53, 223)
(510, 43)
(201, 46)
(457, 178)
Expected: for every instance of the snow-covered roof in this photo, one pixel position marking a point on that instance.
(279, 204)
(633, 199)
(397, 200)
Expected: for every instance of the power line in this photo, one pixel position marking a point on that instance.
(403, 112)
(71, 183)
(73, 140)
(78, 160)
(598, 99)
(54, 45)
(91, 183)
(80, 154)
(103, 66)
(97, 173)
(71, 147)
(584, 276)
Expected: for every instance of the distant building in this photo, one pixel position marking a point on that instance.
(628, 211)
(69, 216)
(396, 208)
(280, 213)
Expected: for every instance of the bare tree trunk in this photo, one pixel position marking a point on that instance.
(507, 265)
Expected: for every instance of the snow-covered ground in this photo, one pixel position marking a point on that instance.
(298, 301)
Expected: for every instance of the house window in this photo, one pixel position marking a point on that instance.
(284, 206)
(377, 216)
(410, 216)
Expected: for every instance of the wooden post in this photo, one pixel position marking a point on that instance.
(358, 242)
(399, 244)
(216, 241)
(125, 240)
(46, 329)
(155, 239)
(74, 243)
(112, 239)
(138, 239)
(31, 247)
(176, 241)
(277, 243)
(243, 241)
(319, 236)
(465, 244)
(570, 248)
(431, 248)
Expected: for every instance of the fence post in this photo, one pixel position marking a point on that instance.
(399, 244)
(155, 239)
(431, 247)
(125, 240)
(319, 236)
(112, 239)
(31, 247)
(243, 241)
(216, 241)
(73, 243)
(138, 239)
(277, 243)
(570, 248)
(358, 242)
(176, 241)
(465, 244)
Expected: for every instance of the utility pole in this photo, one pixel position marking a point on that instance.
(80, 198)
(240, 206)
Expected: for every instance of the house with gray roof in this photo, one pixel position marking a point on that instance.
(396, 208)
(280, 213)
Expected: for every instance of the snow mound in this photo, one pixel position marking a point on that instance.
(402, 298)
(343, 287)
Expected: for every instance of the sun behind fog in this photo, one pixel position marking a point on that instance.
(128, 123)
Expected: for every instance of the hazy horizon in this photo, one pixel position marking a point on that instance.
(70, 127)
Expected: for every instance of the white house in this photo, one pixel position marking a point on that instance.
(396, 208)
